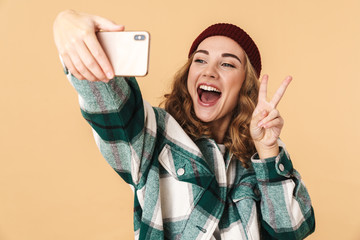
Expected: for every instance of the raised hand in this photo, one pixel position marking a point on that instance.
(266, 123)
(75, 38)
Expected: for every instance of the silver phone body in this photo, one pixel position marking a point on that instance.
(128, 51)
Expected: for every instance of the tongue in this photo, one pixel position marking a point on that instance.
(209, 97)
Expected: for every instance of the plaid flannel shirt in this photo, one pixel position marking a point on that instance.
(185, 189)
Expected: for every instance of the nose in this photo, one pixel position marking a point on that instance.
(210, 71)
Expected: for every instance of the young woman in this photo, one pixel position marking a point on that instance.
(208, 166)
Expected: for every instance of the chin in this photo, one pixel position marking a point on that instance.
(205, 118)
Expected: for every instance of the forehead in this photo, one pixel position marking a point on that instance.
(221, 44)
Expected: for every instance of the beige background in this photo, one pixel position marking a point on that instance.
(54, 184)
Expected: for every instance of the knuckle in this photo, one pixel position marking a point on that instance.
(84, 33)
(77, 62)
(90, 63)
(97, 54)
(82, 69)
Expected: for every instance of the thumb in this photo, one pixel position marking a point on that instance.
(107, 25)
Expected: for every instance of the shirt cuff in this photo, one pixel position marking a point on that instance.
(273, 169)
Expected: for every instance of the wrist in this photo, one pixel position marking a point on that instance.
(267, 151)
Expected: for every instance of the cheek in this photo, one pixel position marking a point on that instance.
(236, 83)
(235, 89)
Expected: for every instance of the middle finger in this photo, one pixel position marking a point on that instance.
(89, 61)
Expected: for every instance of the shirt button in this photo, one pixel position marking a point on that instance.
(281, 167)
(180, 171)
(257, 192)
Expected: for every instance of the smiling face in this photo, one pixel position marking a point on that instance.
(215, 78)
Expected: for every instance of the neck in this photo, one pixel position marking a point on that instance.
(219, 129)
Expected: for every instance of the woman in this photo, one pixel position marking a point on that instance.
(209, 166)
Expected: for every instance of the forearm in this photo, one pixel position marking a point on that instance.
(114, 109)
(116, 112)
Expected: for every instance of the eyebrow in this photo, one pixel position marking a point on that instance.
(223, 55)
(231, 55)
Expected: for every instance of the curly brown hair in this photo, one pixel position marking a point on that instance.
(237, 139)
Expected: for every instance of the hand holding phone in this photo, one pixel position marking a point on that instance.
(128, 52)
(82, 54)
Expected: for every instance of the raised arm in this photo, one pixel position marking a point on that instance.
(124, 126)
(286, 210)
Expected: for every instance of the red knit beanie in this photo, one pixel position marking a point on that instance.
(236, 34)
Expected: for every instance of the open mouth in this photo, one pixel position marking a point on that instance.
(208, 94)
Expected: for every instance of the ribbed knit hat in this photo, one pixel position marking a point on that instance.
(236, 34)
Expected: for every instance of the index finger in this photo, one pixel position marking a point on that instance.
(281, 90)
(100, 56)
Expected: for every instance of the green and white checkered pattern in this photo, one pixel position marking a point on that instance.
(185, 189)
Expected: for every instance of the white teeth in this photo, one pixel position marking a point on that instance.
(209, 88)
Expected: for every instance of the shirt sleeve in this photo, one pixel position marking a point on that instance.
(124, 126)
(286, 210)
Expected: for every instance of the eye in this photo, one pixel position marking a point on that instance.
(198, 60)
(227, 65)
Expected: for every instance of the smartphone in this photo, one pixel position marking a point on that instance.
(127, 51)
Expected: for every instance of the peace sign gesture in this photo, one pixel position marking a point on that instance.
(266, 122)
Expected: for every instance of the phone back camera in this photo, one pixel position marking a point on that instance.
(139, 37)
